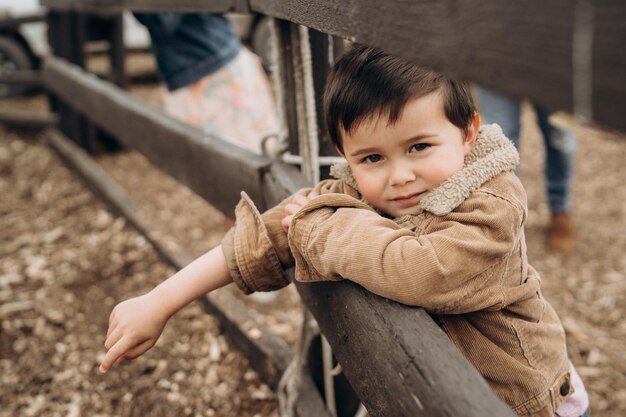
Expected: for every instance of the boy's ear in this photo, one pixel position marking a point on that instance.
(340, 152)
(472, 133)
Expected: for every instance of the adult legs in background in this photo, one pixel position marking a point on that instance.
(213, 81)
(560, 147)
(234, 103)
(501, 109)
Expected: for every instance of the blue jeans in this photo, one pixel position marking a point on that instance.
(560, 144)
(586, 414)
(189, 46)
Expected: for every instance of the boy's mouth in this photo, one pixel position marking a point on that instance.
(408, 200)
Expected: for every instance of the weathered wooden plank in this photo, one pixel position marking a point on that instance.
(268, 355)
(609, 63)
(211, 6)
(523, 48)
(501, 45)
(66, 38)
(527, 49)
(285, 71)
(117, 51)
(321, 47)
(13, 21)
(104, 6)
(96, 180)
(21, 77)
(396, 358)
(213, 168)
(27, 119)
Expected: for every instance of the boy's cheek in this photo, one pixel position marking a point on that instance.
(370, 193)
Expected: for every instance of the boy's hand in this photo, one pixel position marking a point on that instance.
(134, 327)
(299, 200)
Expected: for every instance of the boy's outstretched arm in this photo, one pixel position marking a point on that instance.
(136, 324)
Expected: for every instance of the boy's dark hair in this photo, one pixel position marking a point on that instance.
(367, 82)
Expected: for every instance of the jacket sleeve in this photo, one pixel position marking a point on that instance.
(256, 248)
(456, 267)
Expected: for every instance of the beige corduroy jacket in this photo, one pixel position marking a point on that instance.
(462, 258)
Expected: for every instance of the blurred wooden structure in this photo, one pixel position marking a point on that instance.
(561, 54)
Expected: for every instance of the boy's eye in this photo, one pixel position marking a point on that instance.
(419, 147)
(372, 159)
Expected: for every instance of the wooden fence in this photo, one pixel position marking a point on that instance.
(562, 54)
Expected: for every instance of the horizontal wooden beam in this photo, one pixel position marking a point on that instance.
(213, 168)
(211, 6)
(27, 119)
(399, 362)
(560, 54)
(608, 63)
(267, 354)
(499, 44)
(104, 7)
(13, 21)
(21, 77)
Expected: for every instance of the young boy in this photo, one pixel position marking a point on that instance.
(426, 212)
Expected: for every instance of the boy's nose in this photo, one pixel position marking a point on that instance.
(401, 174)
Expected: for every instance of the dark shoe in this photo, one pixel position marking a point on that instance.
(561, 235)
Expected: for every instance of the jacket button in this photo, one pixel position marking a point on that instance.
(564, 388)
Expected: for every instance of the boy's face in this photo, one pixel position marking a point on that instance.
(394, 165)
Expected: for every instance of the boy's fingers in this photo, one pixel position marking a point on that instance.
(112, 326)
(112, 338)
(114, 354)
(113, 323)
(302, 192)
(286, 222)
(112, 317)
(313, 194)
(110, 330)
(301, 200)
(137, 350)
(292, 208)
(296, 205)
(120, 359)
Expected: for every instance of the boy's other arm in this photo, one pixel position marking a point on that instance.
(136, 324)
(299, 200)
(256, 248)
(445, 271)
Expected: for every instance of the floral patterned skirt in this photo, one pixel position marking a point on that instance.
(234, 103)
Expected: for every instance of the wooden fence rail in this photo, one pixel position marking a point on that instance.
(215, 169)
(561, 54)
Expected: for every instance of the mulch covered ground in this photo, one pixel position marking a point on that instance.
(65, 262)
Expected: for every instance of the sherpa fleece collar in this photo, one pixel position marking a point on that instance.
(492, 155)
